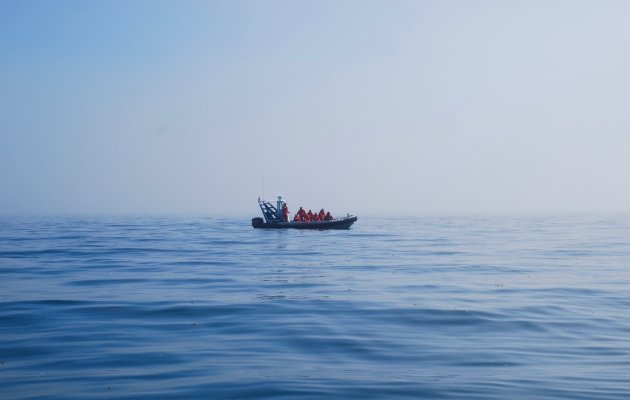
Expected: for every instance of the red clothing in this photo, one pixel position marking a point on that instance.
(285, 211)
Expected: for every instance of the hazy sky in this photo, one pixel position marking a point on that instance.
(369, 107)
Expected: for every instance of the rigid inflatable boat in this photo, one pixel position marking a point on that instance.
(273, 219)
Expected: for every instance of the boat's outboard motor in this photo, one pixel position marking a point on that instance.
(257, 222)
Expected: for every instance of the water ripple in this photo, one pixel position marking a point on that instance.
(450, 308)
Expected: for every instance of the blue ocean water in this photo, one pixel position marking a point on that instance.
(449, 308)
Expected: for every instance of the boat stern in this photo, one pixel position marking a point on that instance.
(257, 222)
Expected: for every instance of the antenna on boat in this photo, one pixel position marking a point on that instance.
(263, 184)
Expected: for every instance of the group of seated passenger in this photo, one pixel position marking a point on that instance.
(303, 216)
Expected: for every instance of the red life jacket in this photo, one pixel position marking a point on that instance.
(285, 211)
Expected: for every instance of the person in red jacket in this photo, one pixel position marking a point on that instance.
(301, 213)
(285, 212)
(321, 214)
(309, 216)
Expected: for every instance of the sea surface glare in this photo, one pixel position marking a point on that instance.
(409, 308)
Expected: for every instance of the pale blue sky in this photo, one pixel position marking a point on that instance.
(370, 107)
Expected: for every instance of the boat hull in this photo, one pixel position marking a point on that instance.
(341, 223)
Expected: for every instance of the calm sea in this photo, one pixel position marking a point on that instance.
(452, 308)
